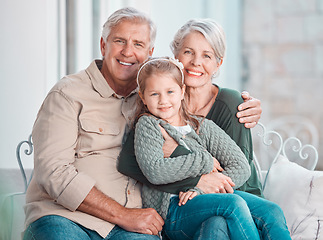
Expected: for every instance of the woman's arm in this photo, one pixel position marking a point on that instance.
(226, 151)
(148, 145)
(223, 113)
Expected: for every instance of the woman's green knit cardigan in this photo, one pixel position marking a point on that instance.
(211, 141)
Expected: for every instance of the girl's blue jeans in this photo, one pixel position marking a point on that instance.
(247, 217)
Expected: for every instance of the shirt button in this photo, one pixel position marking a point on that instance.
(128, 192)
(101, 129)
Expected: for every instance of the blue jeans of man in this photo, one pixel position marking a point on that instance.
(53, 227)
(247, 216)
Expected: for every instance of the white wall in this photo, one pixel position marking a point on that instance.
(283, 47)
(28, 57)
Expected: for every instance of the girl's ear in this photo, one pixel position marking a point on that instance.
(142, 97)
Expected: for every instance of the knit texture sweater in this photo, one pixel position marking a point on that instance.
(211, 141)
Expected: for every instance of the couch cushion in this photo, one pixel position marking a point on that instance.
(299, 192)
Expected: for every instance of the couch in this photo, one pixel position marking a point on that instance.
(284, 165)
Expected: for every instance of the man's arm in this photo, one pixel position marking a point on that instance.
(54, 137)
(146, 221)
(249, 111)
(54, 141)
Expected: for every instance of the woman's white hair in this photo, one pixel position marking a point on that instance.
(128, 13)
(211, 30)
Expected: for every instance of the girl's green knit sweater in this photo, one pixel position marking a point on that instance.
(211, 141)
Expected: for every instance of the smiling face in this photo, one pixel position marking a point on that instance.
(199, 60)
(126, 47)
(163, 97)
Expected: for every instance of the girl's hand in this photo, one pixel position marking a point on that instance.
(169, 145)
(185, 196)
(217, 166)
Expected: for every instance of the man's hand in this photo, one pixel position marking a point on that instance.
(249, 111)
(146, 221)
(169, 145)
(215, 182)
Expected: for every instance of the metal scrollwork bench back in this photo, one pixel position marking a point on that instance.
(7, 200)
(291, 148)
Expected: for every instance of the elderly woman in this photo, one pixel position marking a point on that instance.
(200, 46)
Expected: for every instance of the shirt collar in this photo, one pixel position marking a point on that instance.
(100, 84)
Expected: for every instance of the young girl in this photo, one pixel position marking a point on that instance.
(161, 89)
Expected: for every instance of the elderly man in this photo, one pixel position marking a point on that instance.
(76, 191)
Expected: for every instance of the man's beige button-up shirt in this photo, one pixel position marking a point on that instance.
(77, 138)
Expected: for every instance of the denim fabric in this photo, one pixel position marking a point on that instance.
(195, 219)
(268, 216)
(208, 231)
(53, 227)
(118, 233)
